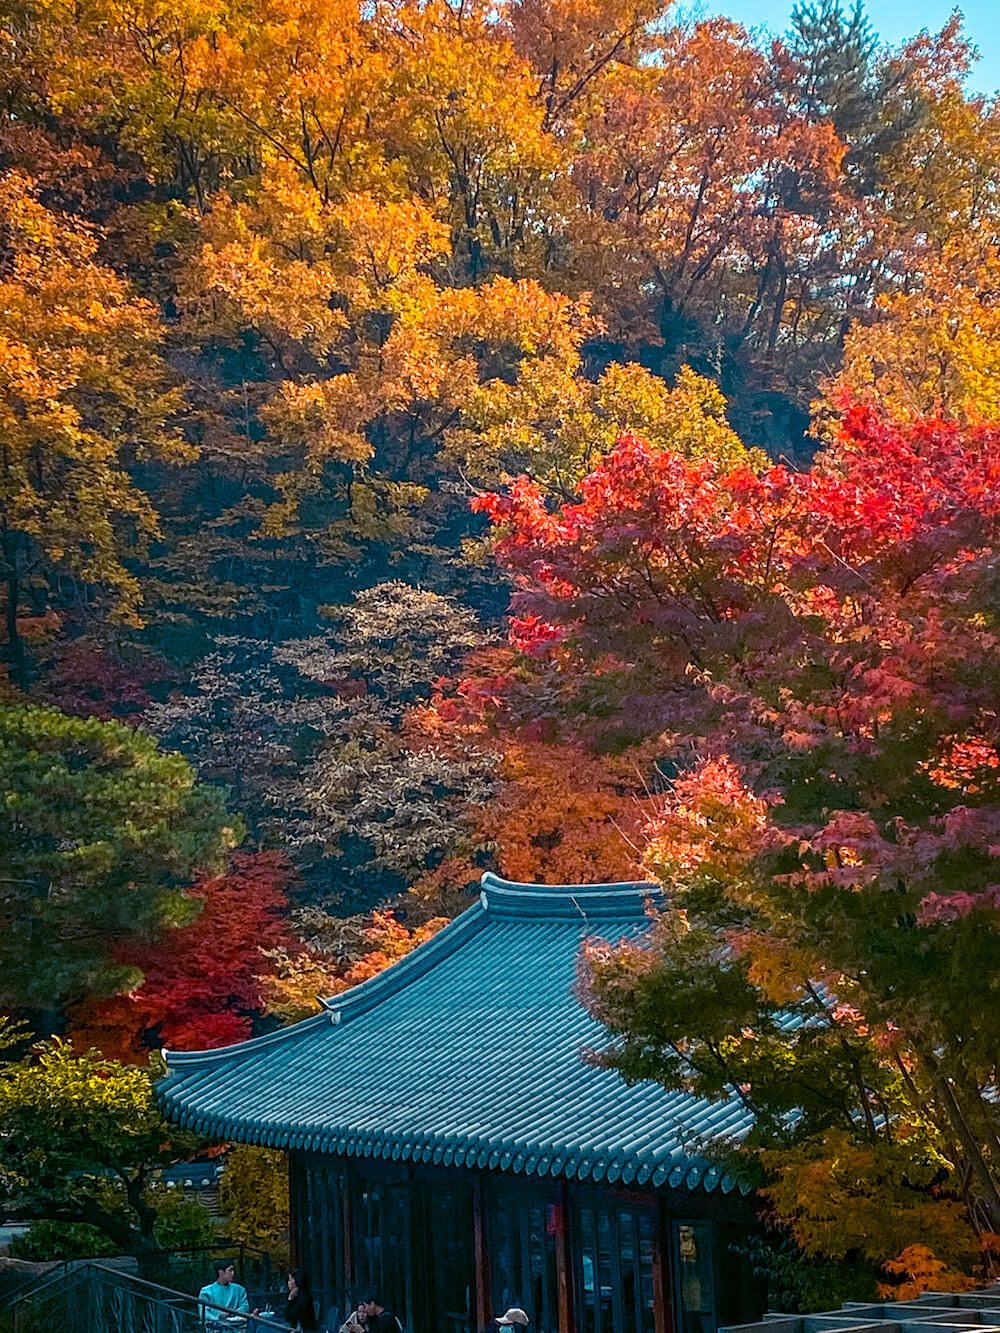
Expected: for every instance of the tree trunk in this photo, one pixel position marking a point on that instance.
(152, 1265)
(15, 643)
(972, 1149)
(137, 1242)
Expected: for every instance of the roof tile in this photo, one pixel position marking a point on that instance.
(472, 1049)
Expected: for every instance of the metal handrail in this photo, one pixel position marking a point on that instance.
(97, 1298)
(27, 1302)
(133, 1282)
(33, 1282)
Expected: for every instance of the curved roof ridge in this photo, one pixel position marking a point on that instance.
(506, 897)
(625, 899)
(626, 886)
(359, 999)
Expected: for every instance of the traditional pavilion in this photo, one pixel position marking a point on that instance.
(452, 1146)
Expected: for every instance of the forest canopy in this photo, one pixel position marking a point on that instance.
(556, 437)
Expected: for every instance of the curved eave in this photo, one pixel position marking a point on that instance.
(676, 1170)
(220, 1054)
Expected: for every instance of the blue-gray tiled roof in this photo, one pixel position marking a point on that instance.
(469, 1051)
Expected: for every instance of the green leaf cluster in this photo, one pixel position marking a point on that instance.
(80, 1139)
(100, 833)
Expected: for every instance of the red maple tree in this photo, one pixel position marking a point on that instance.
(821, 655)
(202, 983)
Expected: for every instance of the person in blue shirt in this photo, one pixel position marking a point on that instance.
(224, 1291)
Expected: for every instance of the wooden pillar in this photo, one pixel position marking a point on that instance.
(320, 1257)
(345, 1223)
(663, 1300)
(294, 1240)
(484, 1284)
(307, 1240)
(564, 1268)
(410, 1201)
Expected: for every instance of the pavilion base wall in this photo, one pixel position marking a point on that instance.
(449, 1248)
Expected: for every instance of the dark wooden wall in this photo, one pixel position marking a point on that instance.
(448, 1249)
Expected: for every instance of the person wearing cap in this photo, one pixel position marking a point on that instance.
(514, 1318)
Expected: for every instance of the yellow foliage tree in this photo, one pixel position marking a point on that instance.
(937, 180)
(554, 423)
(301, 977)
(253, 1196)
(838, 1196)
(83, 393)
(935, 349)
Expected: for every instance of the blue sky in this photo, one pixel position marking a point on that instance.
(892, 19)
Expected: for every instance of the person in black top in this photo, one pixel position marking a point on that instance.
(300, 1313)
(377, 1318)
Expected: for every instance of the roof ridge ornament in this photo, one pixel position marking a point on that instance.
(583, 914)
